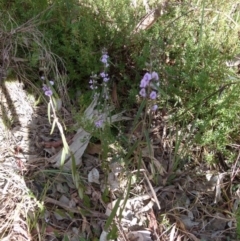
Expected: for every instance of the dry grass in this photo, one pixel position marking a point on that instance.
(23, 50)
(16, 205)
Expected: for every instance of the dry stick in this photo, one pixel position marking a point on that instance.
(121, 229)
(234, 172)
(152, 190)
(75, 210)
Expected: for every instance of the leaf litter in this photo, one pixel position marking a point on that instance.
(158, 204)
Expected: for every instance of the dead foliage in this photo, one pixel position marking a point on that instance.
(24, 52)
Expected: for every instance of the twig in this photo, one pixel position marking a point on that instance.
(89, 212)
(153, 192)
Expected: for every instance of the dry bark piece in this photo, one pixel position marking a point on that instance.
(150, 18)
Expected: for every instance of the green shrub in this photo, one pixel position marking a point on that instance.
(196, 86)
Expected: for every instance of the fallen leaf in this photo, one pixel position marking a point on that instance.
(217, 223)
(60, 214)
(93, 176)
(103, 236)
(93, 149)
(49, 230)
(114, 184)
(172, 233)
(63, 199)
(141, 235)
(188, 223)
(218, 196)
(62, 188)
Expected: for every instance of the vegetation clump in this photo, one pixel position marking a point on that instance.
(150, 103)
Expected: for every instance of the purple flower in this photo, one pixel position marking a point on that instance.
(48, 93)
(90, 81)
(104, 58)
(99, 123)
(103, 74)
(51, 82)
(143, 83)
(145, 80)
(153, 95)
(42, 78)
(143, 92)
(154, 108)
(147, 76)
(154, 76)
(47, 90)
(105, 79)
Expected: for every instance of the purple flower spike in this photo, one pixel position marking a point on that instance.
(155, 107)
(143, 92)
(153, 95)
(99, 123)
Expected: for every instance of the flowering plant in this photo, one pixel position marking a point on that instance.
(46, 88)
(148, 85)
(104, 76)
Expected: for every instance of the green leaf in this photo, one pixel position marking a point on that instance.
(113, 234)
(65, 238)
(76, 177)
(140, 111)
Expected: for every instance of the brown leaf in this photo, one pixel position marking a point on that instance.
(56, 144)
(153, 224)
(93, 149)
(49, 230)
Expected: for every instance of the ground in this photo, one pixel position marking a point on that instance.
(41, 202)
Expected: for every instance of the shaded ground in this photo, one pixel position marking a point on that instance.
(38, 202)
